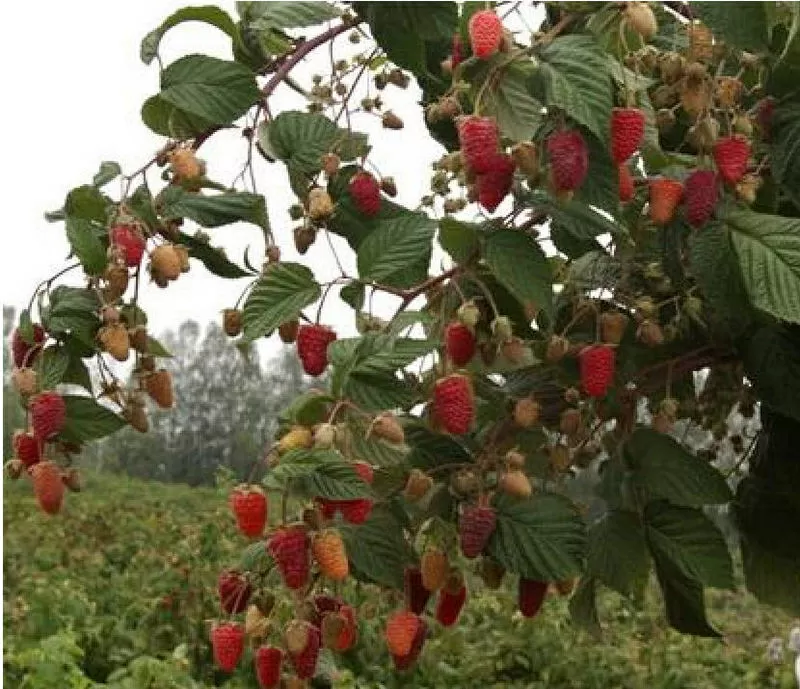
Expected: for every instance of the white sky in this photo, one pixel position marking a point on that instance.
(73, 87)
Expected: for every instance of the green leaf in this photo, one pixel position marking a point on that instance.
(509, 100)
(771, 577)
(785, 149)
(255, 558)
(155, 348)
(743, 24)
(210, 14)
(140, 203)
(88, 420)
(459, 239)
(213, 258)
(292, 15)
(398, 251)
(595, 270)
(72, 310)
(165, 119)
(214, 211)
(618, 553)
(430, 449)
(280, 295)
(217, 91)
(600, 188)
(378, 550)
(319, 473)
(771, 357)
(76, 373)
(87, 203)
(519, 264)
(666, 470)
(52, 365)
(109, 171)
(541, 538)
(768, 247)
(578, 81)
(583, 607)
(85, 239)
(307, 409)
(691, 541)
(376, 451)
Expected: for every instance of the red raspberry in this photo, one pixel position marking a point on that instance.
(459, 343)
(249, 506)
(453, 403)
(531, 595)
(365, 471)
(401, 629)
(48, 486)
(569, 159)
(479, 140)
(289, 547)
(25, 353)
(268, 661)
(366, 193)
(485, 33)
(627, 132)
(48, 413)
(765, 110)
(305, 662)
(451, 599)
(495, 184)
(234, 591)
(130, 242)
(700, 192)
(403, 662)
(417, 595)
(26, 448)
(475, 527)
(312, 347)
(227, 644)
(625, 183)
(597, 369)
(665, 195)
(457, 54)
(731, 154)
(356, 511)
(347, 637)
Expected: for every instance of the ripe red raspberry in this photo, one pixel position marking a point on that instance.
(700, 193)
(765, 111)
(665, 195)
(451, 599)
(268, 661)
(597, 369)
(457, 52)
(347, 636)
(356, 511)
(312, 347)
(130, 242)
(417, 595)
(403, 662)
(479, 140)
(25, 353)
(475, 527)
(495, 184)
(625, 183)
(459, 343)
(366, 193)
(48, 413)
(401, 628)
(731, 154)
(485, 33)
(531, 595)
(627, 132)
(305, 662)
(227, 645)
(569, 159)
(365, 471)
(249, 505)
(453, 403)
(234, 591)
(48, 486)
(289, 547)
(26, 448)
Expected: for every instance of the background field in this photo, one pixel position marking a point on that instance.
(116, 592)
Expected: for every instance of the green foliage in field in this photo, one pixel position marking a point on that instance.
(117, 591)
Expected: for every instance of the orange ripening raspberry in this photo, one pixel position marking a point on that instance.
(404, 662)
(700, 195)
(330, 554)
(401, 628)
(227, 645)
(366, 193)
(454, 404)
(530, 596)
(625, 183)
(731, 154)
(434, 568)
(312, 347)
(627, 132)
(48, 486)
(48, 414)
(479, 140)
(569, 159)
(665, 195)
(249, 505)
(289, 548)
(268, 660)
(475, 527)
(597, 369)
(459, 343)
(234, 591)
(485, 33)
(495, 184)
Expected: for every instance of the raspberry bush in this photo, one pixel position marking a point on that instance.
(566, 402)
